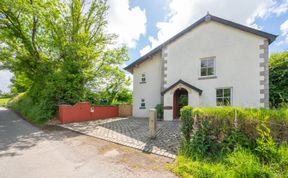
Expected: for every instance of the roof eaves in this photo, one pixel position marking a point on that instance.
(151, 53)
(269, 36)
(155, 50)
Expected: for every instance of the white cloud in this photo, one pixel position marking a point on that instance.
(280, 9)
(128, 23)
(185, 12)
(254, 25)
(5, 77)
(284, 30)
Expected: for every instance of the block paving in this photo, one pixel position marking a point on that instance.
(133, 132)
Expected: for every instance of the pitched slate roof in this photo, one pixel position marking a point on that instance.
(184, 83)
(208, 17)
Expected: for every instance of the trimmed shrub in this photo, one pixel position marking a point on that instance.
(222, 120)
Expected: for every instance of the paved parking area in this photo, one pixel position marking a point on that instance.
(133, 132)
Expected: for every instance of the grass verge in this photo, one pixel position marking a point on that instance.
(24, 105)
(4, 101)
(240, 163)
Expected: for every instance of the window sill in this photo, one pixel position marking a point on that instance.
(142, 82)
(207, 77)
(142, 107)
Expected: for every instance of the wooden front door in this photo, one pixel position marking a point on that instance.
(180, 100)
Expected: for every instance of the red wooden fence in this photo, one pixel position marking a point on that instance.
(84, 112)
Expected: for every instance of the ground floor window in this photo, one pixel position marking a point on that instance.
(224, 96)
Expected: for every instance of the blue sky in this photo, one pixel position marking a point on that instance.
(144, 24)
(157, 11)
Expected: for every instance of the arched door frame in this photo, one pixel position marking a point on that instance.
(176, 95)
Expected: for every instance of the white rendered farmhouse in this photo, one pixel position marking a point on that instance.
(213, 62)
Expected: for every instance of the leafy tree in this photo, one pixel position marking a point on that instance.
(124, 96)
(278, 78)
(20, 84)
(59, 51)
(114, 86)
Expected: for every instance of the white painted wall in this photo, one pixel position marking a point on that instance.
(237, 63)
(151, 90)
(237, 66)
(168, 101)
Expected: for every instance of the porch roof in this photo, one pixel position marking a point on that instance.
(184, 83)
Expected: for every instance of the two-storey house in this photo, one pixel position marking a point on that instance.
(214, 62)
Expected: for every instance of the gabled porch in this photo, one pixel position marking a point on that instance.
(178, 95)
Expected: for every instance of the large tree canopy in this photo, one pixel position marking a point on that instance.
(58, 50)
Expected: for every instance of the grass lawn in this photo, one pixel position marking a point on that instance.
(4, 101)
(240, 163)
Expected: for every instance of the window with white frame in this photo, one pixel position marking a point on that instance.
(143, 78)
(207, 67)
(142, 104)
(224, 96)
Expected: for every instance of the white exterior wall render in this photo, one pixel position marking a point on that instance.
(237, 66)
(236, 63)
(151, 90)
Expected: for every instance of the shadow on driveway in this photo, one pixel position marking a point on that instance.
(17, 134)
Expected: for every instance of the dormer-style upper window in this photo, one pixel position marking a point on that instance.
(143, 78)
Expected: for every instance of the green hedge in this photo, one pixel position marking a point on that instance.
(245, 120)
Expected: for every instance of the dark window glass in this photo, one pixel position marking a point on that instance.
(143, 78)
(207, 67)
(218, 93)
(227, 92)
(219, 102)
(203, 72)
(142, 102)
(223, 97)
(210, 71)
